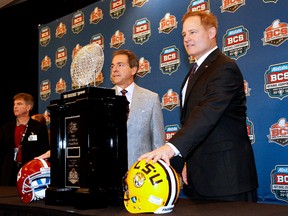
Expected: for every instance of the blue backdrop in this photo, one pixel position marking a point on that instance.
(254, 33)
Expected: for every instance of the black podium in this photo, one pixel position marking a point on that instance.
(88, 148)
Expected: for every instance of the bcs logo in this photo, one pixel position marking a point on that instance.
(144, 67)
(45, 36)
(141, 31)
(276, 34)
(250, 130)
(167, 24)
(279, 182)
(170, 130)
(236, 42)
(279, 132)
(117, 40)
(170, 100)
(231, 5)
(276, 81)
(169, 60)
(199, 5)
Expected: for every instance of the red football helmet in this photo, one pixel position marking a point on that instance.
(33, 179)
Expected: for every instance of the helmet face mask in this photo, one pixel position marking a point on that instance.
(150, 188)
(33, 179)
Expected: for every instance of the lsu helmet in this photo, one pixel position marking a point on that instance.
(33, 179)
(150, 187)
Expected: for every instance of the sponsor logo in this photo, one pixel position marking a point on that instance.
(169, 60)
(141, 31)
(78, 22)
(99, 39)
(246, 88)
(270, 1)
(117, 8)
(250, 130)
(61, 86)
(45, 36)
(236, 42)
(167, 24)
(231, 5)
(170, 130)
(61, 57)
(278, 133)
(275, 34)
(117, 40)
(144, 67)
(170, 100)
(75, 50)
(46, 63)
(96, 16)
(45, 90)
(199, 5)
(276, 81)
(279, 182)
(139, 3)
(61, 30)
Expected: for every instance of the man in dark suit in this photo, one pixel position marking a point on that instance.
(21, 139)
(213, 144)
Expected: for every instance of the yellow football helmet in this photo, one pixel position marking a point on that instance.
(151, 187)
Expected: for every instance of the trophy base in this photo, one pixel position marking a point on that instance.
(58, 196)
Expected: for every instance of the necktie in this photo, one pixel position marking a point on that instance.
(192, 71)
(123, 92)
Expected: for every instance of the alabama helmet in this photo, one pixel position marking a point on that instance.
(33, 179)
(150, 187)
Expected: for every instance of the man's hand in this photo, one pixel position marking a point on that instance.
(184, 174)
(164, 152)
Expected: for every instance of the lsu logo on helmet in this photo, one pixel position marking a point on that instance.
(151, 188)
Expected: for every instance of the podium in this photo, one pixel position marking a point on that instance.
(88, 148)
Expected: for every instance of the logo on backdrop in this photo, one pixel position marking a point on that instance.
(170, 100)
(169, 60)
(46, 63)
(138, 3)
(276, 81)
(236, 42)
(167, 24)
(78, 22)
(141, 31)
(278, 132)
(270, 1)
(117, 40)
(170, 130)
(99, 39)
(246, 88)
(275, 34)
(96, 16)
(61, 57)
(117, 8)
(45, 36)
(250, 130)
(199, 5)
(231, 6)
(75, 50)
(45, 90)
(60, 86)
(61, 30)
(279, 182)
(144, 67)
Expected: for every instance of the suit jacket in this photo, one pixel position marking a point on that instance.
(35, 143)
(145, 124)
(213, 139)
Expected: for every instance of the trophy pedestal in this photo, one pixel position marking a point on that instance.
(88, 148)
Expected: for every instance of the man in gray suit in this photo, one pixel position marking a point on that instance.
(145, 124)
